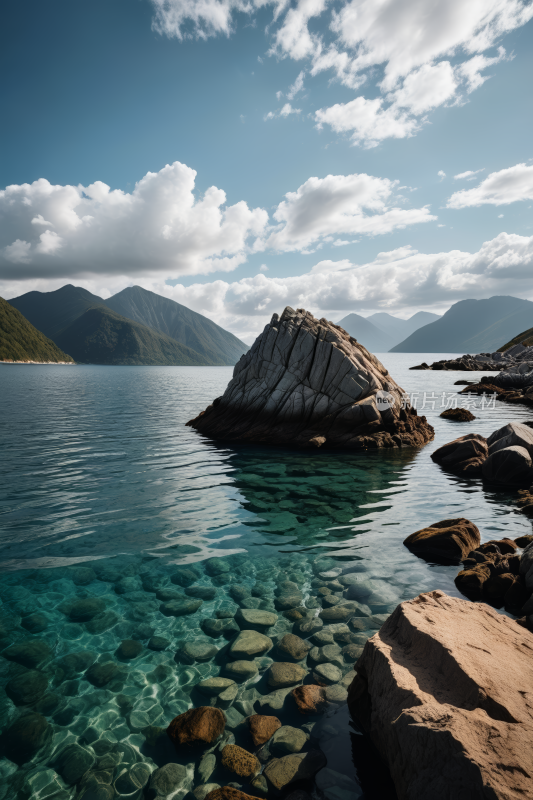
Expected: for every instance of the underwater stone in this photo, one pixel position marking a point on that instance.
(336, 614)
(129, 648)
(178, 608)
(249, 644)
(242, 670)
(336, 694)
(227, 697)
(74, 663)
(262, 727)
(201, 592)
(202, 791)
(82, 576)
(102, 622)
(240, 761)
(184, 576)
(233, 718)
(281, 772)
(26, 736)
(307, 626)
(251, 603)
(254, 619)
(323, 637)
(239, 592)
(151, 583)
(260, 786)
(216, 566)
(130, 781)
(84, 609)
(274, 701)
(169, 781)
(220, 627)
(101, 674)
(352, 652)
(35, 623)
(27, 688)
(329, 653)
(206, 767)
(197, 725)
(287, 740)
(197, 651)
(212, 687)
(73, 762)
(293, 646)
(327, 673)
(282, 674)
(285, 601)
(158, 643)
(310, 699)
(29, 654)
(228, 793)
(225, 612)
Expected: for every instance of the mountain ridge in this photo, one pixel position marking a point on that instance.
(21, 341)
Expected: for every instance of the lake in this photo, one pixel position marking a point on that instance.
(108, 498)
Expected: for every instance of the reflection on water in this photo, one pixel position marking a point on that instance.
(111, 510)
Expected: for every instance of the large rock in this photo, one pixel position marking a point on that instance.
(240, 761)
(280, 772)
(196, 726)
(306, 382)
(249, 644)
(510, 466)
(464, 455)
(515, 434)
(442, 690)
(262, 727)
(449, 540)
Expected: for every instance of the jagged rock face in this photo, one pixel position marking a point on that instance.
(306, 382)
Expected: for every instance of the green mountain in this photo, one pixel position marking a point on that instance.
(100, 336)
(471, 326)
(525, 338)
(374, 339)
(20, 341)
(193, 339)
(180, 323)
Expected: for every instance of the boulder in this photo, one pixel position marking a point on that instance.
(27, 688)
(240, 761)
(464, 455)
(458, 415)
(449, 541)
(26, 736)
(287, 740)
(307, 383)
(254, 620)
(169, 781)
(510, 466)
(441, 689)
(470, 582)
(213, 687)
(249, 644)
(30, 654)
(310, 699)
(262, 727)
(292, 647)
(280, 772)
(241, 670)
(515, 434)
(283, 673)
(196, 726)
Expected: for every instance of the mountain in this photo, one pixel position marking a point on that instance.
(368, 334)
(525, 338)
(180, 323)
(20, 341)
(471, 326)
(52, 312)
(398, 328)
(101, 336)
(64, 316)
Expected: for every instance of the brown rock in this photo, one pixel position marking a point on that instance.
(262, 727)
(293, 647)
(197, 726)
(283, 673)
(308, 383)
(228, 793)
(470, 581)
(496, 587)
(506, 546)
(310, 699)
(463, 455)
(450, 540)
(280, 772)
(458, 415)
(515, 597)
(523, 541)
(240, 761)
(442, 690)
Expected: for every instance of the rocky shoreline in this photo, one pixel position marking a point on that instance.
(514, 359)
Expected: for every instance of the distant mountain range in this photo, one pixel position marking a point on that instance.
(134, 326)
(380, 332)
(20, 341)
(471, 326)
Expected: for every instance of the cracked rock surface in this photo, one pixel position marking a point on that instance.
(307, 382)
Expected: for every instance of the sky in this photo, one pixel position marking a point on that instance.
(238, 156)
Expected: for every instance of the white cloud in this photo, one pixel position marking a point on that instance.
(367, 120)
(500, 216)
(263, 268)
(426, 87)
(185, 18)
(160, 226)
(339, 204)
(293, 38)
(441, 174)
(471, 70)
(498, 188)
(469, 175)
(297, 86)
(285, 111)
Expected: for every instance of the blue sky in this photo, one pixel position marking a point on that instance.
(392, 102)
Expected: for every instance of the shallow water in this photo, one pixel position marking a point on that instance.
(105, 493)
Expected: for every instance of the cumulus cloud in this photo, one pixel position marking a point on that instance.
(285, 111)
(161, 226)
(411, 42)
(498, 189)
(339, 204)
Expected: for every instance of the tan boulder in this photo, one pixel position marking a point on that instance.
(310, 699)
(197, 726)
(240, 761)
(444, 690)
(449, 540)
(262, 727)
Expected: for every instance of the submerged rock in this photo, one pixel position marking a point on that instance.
(449, 540)
(281, 772)
(464, 455)
(26, 736)
(196, 726)
(262, 727)
(442, 689)
(306, 382)
(241, 762)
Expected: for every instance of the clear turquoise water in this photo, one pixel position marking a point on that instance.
(105, 491)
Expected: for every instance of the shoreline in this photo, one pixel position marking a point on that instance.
(41, 363)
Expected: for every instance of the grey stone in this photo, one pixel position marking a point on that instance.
(215, 628)
(158, 643)
(101, 674)
(511, 466)
(336, 614)
(241, 670)
(323, 637)
(336, 693)
(274, 702)
(307, 626)
(73, 762)
(201, 592)
(327, 673)
(287, 740)
(227, 697)
(216, 566)
(197, 651)
(178, 608)
(170, 781)
(212, 687)
(281, 674)
(260, 786)
(249, 644)
(511, 435)
(254, 619)
(26, 736)
(292, 647)
(329, 653)
(233, 718)
(27, 688)
(281, 772)
(206, 767)
(184, 576)
(30, 654)
(239, 592)
(202, 791)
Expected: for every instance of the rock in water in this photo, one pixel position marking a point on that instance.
(449, 540)
(306, 382)
(442, 689)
